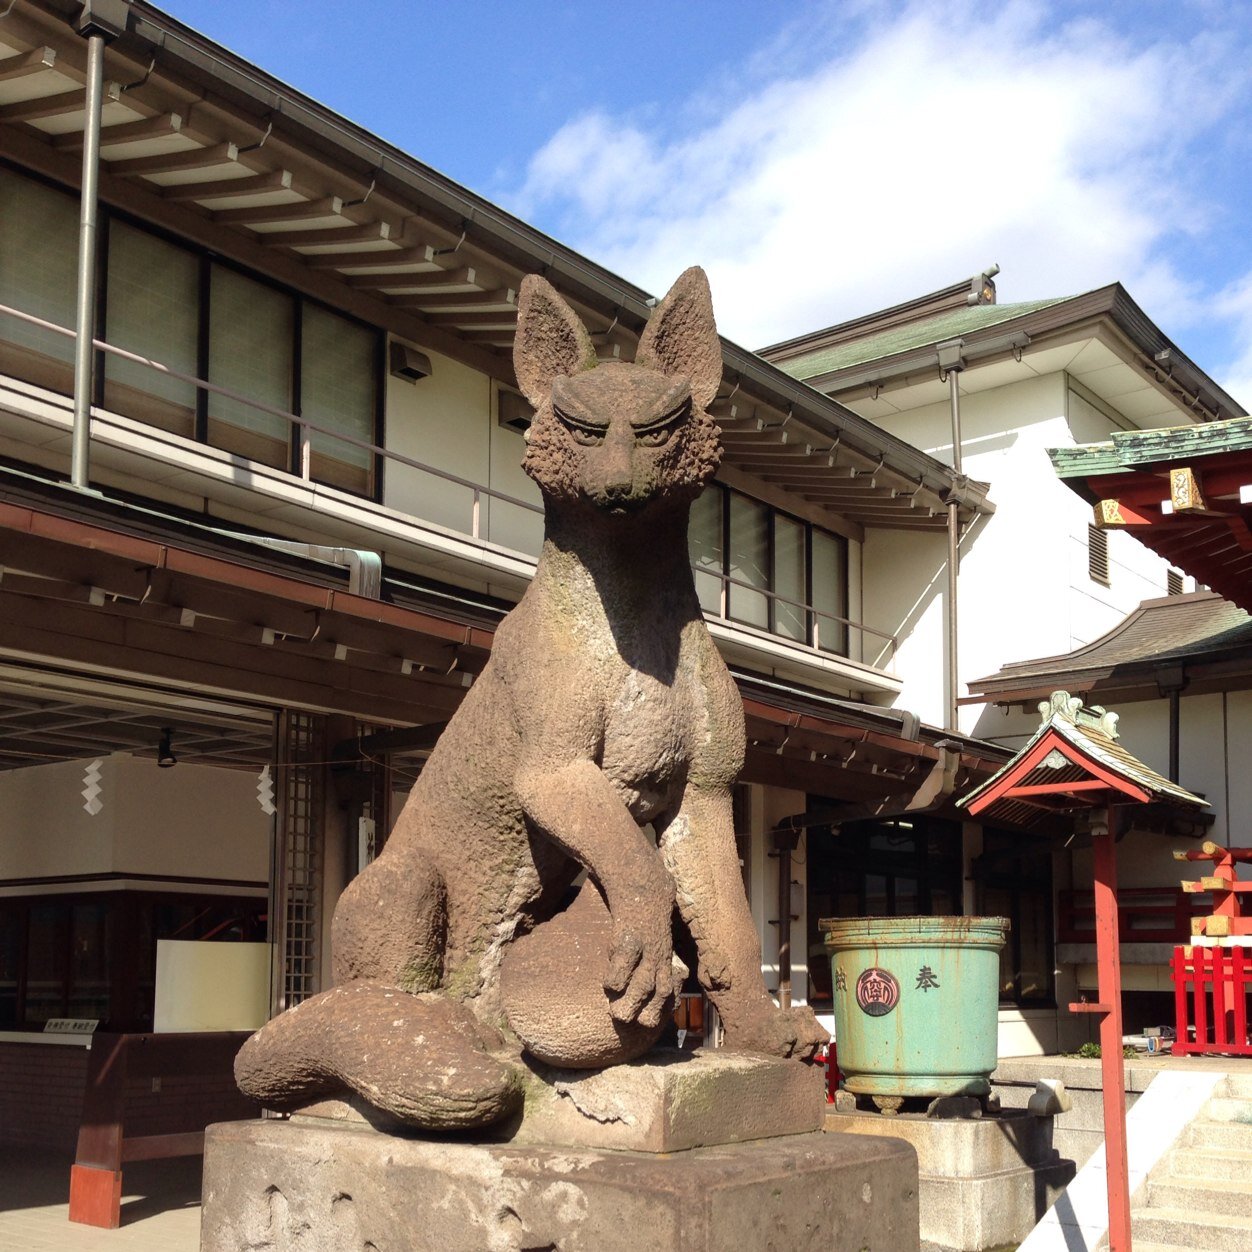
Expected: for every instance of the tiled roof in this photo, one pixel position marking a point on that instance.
(1158, 631)
(912, 335)
(1091, 733)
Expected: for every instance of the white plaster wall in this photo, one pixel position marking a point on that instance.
(188, 822)
(446, 421)
(1024, 588)
(770, 805)
(44, 829)
(441, 421)
(191, 820)
(509, 525)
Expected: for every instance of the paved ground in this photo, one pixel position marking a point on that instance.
(160, 1206)
(161, 1199)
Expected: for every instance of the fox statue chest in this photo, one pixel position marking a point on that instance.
(643, 752)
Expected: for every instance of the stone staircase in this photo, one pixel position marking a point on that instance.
(1200, 1194)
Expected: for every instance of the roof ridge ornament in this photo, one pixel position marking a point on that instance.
(1072, 709)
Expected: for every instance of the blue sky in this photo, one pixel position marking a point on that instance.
(823, 158)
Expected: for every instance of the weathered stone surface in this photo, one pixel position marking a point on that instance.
(604, 708)
(667, 1101)
(552, 990)
(983, 1182)
(278, 1185)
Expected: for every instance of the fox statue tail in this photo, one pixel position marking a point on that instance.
(423, 1060)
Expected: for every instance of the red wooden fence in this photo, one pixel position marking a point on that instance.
(1211, 989)
(1144, 915)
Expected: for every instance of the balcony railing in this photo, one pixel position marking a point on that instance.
(812, 617)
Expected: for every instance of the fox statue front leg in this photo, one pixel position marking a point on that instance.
(698, 847)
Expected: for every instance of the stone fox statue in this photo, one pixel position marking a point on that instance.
(604, 709)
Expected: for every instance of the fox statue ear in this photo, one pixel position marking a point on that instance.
(681, 337)
(551, 341)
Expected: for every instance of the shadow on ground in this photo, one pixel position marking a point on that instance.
(40, 1178)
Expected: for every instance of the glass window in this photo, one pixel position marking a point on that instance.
(251, 351)
(1014, 876)
(790, 569)
(39, 275)
(766, 551)
(11, 962)
(152, 308)
(89, 960)
(830, 582)
(45, 963)
(338, 390)
(748, 553)
(704, 541)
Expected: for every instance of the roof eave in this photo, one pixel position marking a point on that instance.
(238, 83)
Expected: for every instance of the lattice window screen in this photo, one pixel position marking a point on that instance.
(298, 880)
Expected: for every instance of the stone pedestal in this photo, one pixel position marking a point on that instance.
(330, 1187)
(667, 1101)
(984, 1182)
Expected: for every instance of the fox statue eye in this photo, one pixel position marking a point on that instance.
(656, 437)
(587, 436)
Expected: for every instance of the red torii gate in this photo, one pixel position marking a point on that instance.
(1074, 764)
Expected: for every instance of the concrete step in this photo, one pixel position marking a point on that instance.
(1194, 1163)
(1140, 1246)
(1225, 1109)
(1231, 1199)
(1218, 1136)
(1185, 1229)
(1237, 1086)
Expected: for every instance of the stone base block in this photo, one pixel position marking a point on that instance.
(983, 1182)
(667, 1101)
(332, 1186)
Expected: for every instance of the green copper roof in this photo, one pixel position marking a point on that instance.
(1137, 449)
(913, 335)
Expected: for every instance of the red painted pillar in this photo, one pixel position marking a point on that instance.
(1112, 1066)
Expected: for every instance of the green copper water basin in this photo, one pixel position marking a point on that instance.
(916, 1002)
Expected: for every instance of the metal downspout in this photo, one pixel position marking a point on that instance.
(98, 22)
(953, 368)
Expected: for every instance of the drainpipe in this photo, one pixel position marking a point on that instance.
(1171, 682)
(951, 363)
(785, 843)
(99, 21)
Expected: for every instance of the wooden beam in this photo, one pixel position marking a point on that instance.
(225, 188)
(501, 337)
(1185, 495)
(506, 319)
(25, 63)
(464, 278)
(53, 106)
(160, 127)
(1058, 788)
(85, 636)
(347, 235)
(1111, 514)
(176, 162)
(381, 259)
(276, 214)
(471, 302)
(258, 252)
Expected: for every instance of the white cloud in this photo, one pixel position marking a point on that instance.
(942, 138)
(1235, 304)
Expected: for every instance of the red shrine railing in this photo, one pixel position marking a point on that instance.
(1211, 989)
